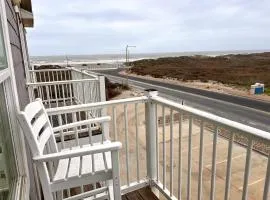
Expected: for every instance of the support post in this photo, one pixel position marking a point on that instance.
(103, 112)
(151, 137)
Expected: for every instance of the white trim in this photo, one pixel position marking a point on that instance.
(4, 74)
(24, 52)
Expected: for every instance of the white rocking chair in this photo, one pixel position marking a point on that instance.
(69, 168)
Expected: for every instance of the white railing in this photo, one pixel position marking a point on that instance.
(65, 86)
(183, 152)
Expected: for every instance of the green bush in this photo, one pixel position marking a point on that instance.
(267, 91)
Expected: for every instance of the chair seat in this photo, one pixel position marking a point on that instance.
(79, 166)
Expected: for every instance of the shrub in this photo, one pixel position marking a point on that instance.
(114, 89)
(267, 91)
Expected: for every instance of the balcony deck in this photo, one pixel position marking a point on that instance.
(141, 194)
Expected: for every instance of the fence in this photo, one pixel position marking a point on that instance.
(62, 87)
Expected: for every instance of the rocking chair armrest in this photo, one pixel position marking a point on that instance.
(82, 123)
(101, 148)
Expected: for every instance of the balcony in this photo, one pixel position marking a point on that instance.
(65, 86)
(177, 151)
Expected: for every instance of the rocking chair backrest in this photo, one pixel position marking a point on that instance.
(37, 128)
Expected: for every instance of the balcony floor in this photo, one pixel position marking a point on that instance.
(141, 194)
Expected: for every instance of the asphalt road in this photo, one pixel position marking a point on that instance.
(251, 112)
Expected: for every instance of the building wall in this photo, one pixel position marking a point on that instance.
(16, 48)
(16, 31)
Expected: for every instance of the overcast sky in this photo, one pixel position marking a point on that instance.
(107, 26)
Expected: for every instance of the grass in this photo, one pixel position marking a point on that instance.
(237, 70)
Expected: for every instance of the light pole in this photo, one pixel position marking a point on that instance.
(127, 53)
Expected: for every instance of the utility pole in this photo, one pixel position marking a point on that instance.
(67, 60)
(127, 59)
(127, 54)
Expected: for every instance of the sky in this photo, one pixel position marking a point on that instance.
(107, 26)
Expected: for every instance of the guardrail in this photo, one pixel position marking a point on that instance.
(65, 86)
(180, 151)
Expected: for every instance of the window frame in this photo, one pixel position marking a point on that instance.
(21, 187)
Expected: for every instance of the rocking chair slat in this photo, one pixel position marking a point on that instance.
(62, 169)
(74, 166)
(44, 137)
(87, 164)
(39, 123)
(31, 110)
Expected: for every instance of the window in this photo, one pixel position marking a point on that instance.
(3, 60)
(8, 172)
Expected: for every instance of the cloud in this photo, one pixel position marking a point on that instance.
(106, 26)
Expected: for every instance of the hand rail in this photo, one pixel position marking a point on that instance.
(60, 82)
(214, 118)
(89, 106)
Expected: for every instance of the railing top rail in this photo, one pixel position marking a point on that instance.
(61, 82)
(89, 106)
(64, 69)
(214, 118)
(84, 72)
(49, 70)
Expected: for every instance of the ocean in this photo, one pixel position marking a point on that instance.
(120, 58)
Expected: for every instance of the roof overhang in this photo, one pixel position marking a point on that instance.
(27, 18)
(26, 12)
(26, 5)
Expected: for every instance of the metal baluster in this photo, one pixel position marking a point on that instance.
(39, 92)
(56, 93)
(171, 152)
(180, 157)
(48, 96)
(201, 160)
(127, 144)
(164, 148)
(70, 93)
(90, 132)
(114, 124)
(74, 119)
(266, 190)
(49, 78)
(229, 168)
(62, 138)
(44, 76)
(214, 160)
(137, 142)
(247, 168)
(157, 142)
(189, 158)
